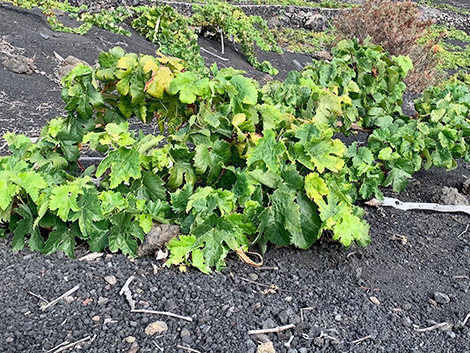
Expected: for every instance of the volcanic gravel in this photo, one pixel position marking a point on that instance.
(406, 292)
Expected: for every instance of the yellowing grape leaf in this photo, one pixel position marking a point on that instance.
(315, 187)
(159, 83)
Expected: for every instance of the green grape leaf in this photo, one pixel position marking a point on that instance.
(213, 158)
(184, 84)
(180, 198)
(310, 223)
(267, 150)
(351, 228)
(158, 210)
(245, 91)
(198, 261)
(149, 187)
(145, 222)
(180, 248)
(326, 154)
(7, 191)
(98, 236)
(218, 236)
(62, 238)
(124, 164)
(64, 198)
(124, 234)
(88, 213)
(32, 182)
(398, 178)
(25, 226)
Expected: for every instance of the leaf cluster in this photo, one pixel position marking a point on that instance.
(250, 31)
(241, 164)
(397, 27)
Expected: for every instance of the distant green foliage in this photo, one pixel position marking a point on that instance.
(231, 21)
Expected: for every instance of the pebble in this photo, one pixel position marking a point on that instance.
(338, 317)
(441, 298)
(69, 299)
(266, 347)
(374, 300)
(111, 280)
(406, 322)
(407, 306)
(103, 301)
(253, 276)
(156, 327)
(283, 317)
(9, 339)
(130, 339)
(269, 323)
(288, 299)
(95, 318)
(185, 333)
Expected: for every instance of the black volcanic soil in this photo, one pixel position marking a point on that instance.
(384, 294)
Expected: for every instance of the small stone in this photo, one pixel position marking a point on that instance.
(9, 339)
(406, 306)
(433, 303)
(19, 64)
(406, 322)
(451, 334)
(95, 318)
(451, 196)
(466, 187)
(69, 299)
(288, 299)
(130, 339)
(441, 298)
(253, 276)
(374, 300)
(266, 347)
(269, 323)
(303, 350)
(103, 301)
(274, 22)
(185, 333)
(111, 280)
(67, 65)
(316, 22)
(156, 327)
(338, 317)
(261, 337)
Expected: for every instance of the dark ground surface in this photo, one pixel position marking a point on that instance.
(323, 291)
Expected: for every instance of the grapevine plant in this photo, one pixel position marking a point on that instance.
(236, 164)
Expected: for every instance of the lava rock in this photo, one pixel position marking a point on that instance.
(441, 298)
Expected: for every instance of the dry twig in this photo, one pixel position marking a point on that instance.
(39, 297)
(66, 294)
(466, 319)
(127, 292)
(361, 339)
(188, 349)
(210, 53)
(156, 345)
(434, 327)
(271, 330)
(73, 344)
(166, 313)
